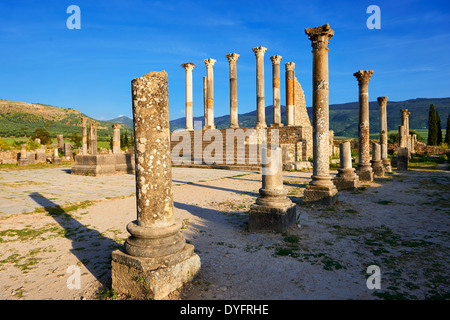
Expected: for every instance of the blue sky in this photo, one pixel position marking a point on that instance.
(91, 69)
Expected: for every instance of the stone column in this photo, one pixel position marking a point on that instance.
(276, 91)
(84, 135)
(232, 59)
(210, 92)
(401, 137)
(23, 159)
(156, 251)
(402, 158)
(68, 150)
(188, 67)
(413, 143)
(260, 100)
(116, 138)
(205, 101)
(290, 97)
(321, 190)
(377, 163)
(273, 210)
(60, 142)
(346, 177)
(93, 139)
(382, 104)
(56, 158)
(364, 170)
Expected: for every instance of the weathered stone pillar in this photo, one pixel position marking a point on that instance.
(321, 190)
(364, 170)
(210, 92)
(273, 210)
(116, 138)
(156, 251)
(276, 91)
(23, 157)
(84, 135)
(382, 104)
(60, 142)
(377, 164)
(290, 96)
(402, 158)
(232, 59)
(346, 177)
(68, 150)
(205, 101)
(401, 137)
(188, 67)
(56, 158)
(413, 143)
(260, 100)
(93, 139)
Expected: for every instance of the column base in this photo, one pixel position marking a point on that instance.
(261, 125)
(153, 278)
(378, 168)
(346, 179)
(402, 159)
(268, 218)
(276, 125)
(23, 162)
(209, 127)
(365, 173)
(387, 165)
(320, 195)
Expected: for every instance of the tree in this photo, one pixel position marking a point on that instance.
(439, 128)
(432, 126)
(42, 134)
(76, 139)
(447, 131)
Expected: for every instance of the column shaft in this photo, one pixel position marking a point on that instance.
(232, 59)
(210, 91)
(290, 88)
(276, 90)
(189, 113)
(260, 99)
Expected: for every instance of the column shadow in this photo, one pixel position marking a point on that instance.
(90, 247)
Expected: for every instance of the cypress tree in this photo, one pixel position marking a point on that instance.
(432, 126)
(447, 131)
(439, 128)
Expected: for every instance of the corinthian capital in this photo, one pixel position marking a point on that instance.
(259, 51)
(320, 36)
(209, 62)
(289, 66)
(363, 76)
(189, 66)
(276, 59)
(232, 57)
(382, 100)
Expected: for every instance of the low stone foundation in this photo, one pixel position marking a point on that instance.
(103, 164)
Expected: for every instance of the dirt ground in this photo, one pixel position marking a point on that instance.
(399, 223)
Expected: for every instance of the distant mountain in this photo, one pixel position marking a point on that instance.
(22, 119)
(344, 117)
(122, 120)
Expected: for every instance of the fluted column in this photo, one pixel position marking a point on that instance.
(276, 91)
(210, 92)
(321, 189)
(232, 59)
(84, 135)
(382, 104)
(364, 169)
(188, 67)
(260, 100)
(290, 98)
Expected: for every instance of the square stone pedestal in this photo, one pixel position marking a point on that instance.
(365, 175)
(153, 278)
(320, 195)
(342, 183)
(267, 218)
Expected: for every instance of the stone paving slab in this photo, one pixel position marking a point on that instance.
(59, 186)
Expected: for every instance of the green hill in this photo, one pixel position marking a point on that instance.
(20, 119)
